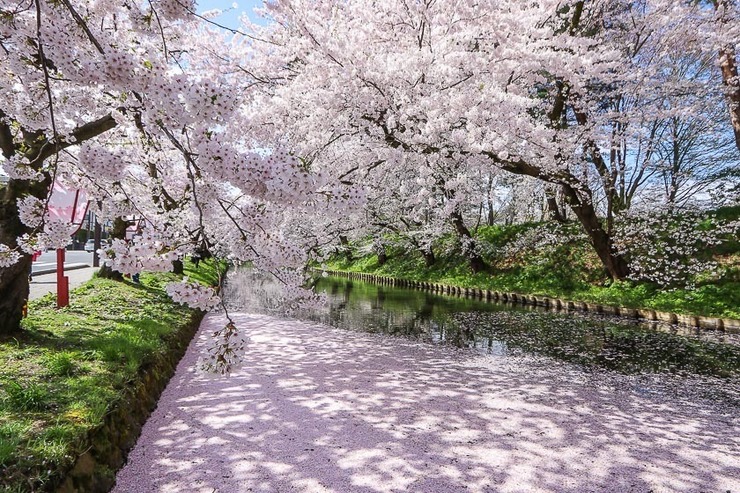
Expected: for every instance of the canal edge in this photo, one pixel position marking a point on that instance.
(646, 314)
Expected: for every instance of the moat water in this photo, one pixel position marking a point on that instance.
(709, 360)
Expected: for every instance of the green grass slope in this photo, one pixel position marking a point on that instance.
(68, 368)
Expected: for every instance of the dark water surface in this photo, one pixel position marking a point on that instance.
(589, 341)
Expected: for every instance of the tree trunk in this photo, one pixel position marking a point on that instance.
(553, 210)
(98, 238)
(201, 253)
(382, 256)
(178, 267)
(117, 232)
(582, 205)
(14, 279)
(346, 248)
(616, 265)
(728, 66)
(477, 264)
(15, 288)
(106, 272)
(429, 258)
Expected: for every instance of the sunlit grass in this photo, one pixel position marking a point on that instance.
(67, 369)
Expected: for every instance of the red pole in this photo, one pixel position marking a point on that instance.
(62, 281)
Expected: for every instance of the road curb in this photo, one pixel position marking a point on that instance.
(51, 270)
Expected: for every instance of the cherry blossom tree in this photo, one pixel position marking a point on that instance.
(141, 105)
(261, 144)
(530, 88)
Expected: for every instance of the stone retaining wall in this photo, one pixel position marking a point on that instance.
(650, 315)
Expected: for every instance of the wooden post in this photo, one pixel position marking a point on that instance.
(62, 281)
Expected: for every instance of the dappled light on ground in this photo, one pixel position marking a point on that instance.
(320, 409)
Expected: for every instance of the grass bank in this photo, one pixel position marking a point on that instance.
(569, 270)
(68, 369)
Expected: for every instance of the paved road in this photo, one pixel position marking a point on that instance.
(47, 283)
(316, 409)
(48, 260)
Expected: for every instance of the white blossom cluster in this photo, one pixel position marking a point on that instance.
(101, 162)
(143, 253)
(31, 210)
(56, 233)
(8, 256)
(541, 238)
(225, 350)
(672, 249)
(18, 168)
(48, 232)
(193, 294)
(174, 9)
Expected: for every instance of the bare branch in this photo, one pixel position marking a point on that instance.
(81, 22)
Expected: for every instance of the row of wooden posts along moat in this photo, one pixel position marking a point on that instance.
(645, 314)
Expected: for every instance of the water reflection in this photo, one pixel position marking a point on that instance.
(586, 339)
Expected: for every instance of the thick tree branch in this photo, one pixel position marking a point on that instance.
(80, 134)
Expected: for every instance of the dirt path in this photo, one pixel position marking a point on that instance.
(320, 409)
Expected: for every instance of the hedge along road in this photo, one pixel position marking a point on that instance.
(315, 408)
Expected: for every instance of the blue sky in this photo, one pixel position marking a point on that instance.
(231, 18)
